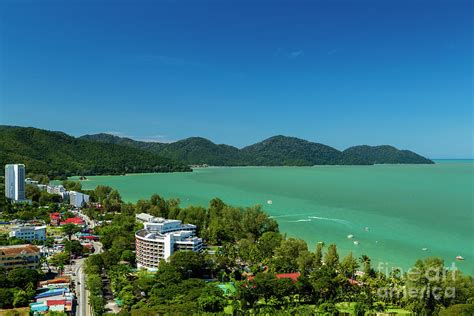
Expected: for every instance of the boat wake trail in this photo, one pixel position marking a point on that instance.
(337, 220)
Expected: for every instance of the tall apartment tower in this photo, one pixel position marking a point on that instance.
(15, 182)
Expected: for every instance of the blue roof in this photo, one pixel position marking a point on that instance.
(51, 293)
(38, 307)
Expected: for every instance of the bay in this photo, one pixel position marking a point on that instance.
(393, 211)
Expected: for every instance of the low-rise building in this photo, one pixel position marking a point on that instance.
(55, 218)
(73, 220)
(19, 256)
(29, 233)
(57, 189)
(161, 238)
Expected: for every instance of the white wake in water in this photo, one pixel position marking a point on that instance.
(337, 220)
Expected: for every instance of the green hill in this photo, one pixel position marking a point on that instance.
(382, 155)
(58, 155)
(290, 151)
(274, 151)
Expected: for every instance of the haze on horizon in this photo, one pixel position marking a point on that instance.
(340, 73)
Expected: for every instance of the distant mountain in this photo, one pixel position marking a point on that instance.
(290, 151)
(274, 151)
(124, 141)
(58, 155)
(193, 150)
(382, 155)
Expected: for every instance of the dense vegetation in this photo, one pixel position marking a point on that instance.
(56, 154)
(274, 151)
(247, 243)
(382, 154)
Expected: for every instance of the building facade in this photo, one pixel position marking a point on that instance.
(58, 189)
(161, 238)
(78, 199)
(21, 256)
(29, 233)
(15, 182)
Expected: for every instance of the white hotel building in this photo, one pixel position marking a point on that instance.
(160, 238)
(15, 182)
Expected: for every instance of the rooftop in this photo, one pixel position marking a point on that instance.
(18, 249)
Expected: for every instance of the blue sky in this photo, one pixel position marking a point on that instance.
(337, 72)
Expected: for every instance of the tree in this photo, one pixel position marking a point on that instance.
(70, 229)
(211, 300)
(6, 298)
(332, 258)
(328, 309)
(74, 247)
(188, 263)
(59, 260)
(305, 262)
(349, 265)
(128, 256)
(72, 185)
(286, 255)
(267, 243)
(318, 258)
(21, 277)
(20, 298)
(365, 260)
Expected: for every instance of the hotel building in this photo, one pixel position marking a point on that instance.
(15, 182)
(21, 256)
(160, 238)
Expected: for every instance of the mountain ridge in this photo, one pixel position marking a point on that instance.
(277, 150)
(57, 154)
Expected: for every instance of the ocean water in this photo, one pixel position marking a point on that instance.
(393, 211)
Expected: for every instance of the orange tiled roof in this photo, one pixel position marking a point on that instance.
(16, 250)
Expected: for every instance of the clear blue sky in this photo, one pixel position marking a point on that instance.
(337, 72)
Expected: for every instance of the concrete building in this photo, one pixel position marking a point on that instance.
(78, 199)
(20, 256)
(29, 233)
(58, 189)
(161, 238)
(15, 182)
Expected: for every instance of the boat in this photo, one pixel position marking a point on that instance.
(424, 249)
(269, 202)
(366, 229)
(459, 258)
(356, 242)
(350, 236)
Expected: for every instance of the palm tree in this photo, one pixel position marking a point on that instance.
(365, 260)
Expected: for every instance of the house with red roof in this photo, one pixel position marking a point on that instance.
(73, 220)
(55, 218)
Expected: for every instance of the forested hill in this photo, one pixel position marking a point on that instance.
(58, 155)
(382, 155)
(274, 151)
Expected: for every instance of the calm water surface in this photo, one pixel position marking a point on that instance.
(394, 211)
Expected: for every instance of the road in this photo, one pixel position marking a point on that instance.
(83, 308)
(82, 299)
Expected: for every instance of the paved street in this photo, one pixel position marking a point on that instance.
(83, 308)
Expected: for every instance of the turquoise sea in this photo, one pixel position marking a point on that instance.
(393, 211)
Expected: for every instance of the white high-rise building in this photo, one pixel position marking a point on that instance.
(15, 182)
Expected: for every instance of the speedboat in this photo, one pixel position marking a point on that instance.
(460, 258)
(269, 202)
(356, 242)
(350, 236)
